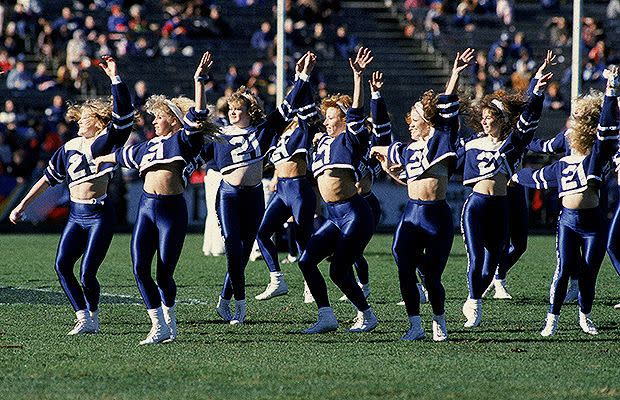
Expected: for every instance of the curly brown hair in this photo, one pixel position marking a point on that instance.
(342, 102)
(157, 103)
(513, 103)
(429, 102)
(244, 97)
(584, 120)
(101, 109)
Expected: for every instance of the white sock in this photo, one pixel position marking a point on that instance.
(82, 315)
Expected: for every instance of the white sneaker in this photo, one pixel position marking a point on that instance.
(472, 309)
(276, 287)
(617, 306)
(551, 325)
(83, 325)
(160, 331)
(415, 332)
(500, 289)
(94, 315)
(586, 324)
(401, 303)
(223, 309)
(365, 321)
(255, 255)
(170, 317)
(573, 291)
(308, 297)
(326, 322)
(240, 311)
(440, 332)
(365, 289)
(423, 294)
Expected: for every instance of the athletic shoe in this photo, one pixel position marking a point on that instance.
(573, 291)
(276, 287)
(159, 329)
(83, 324)
(551, 325)
(326, 322)
(223, 309)
(472, 309)
(586, 324)
(617, 306)
(240, 310)
(308, 297)
(365, 289)
(94, 315)
(158, 334)
(423, 294)
(415, 332)
(440, 332)
(170, 317)
(255, 255)
(365, 321)
(400, 303)
(289, 259)
(500, 289)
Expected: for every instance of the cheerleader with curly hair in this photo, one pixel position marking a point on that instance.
(239, 157)
(507, 123)
(582, 226)
(425, 231)
(165, 162)
(104, 125)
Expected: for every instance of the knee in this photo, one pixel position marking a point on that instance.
(88, 279)
(263, 235)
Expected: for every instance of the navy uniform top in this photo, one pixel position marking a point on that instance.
(573, 173)
(555, 145)
(347, 149)
(74, 160)
(482, 158)
(184, 146)
(244, 146)
(421, 155)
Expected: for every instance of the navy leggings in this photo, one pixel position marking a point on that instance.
(361, 265)
(517, 231)
(294, 196)
(484, 223)
(425, 232)
(240, 210)
(345, 235)
(580, 246)
(160, 228)
(613, 242)
(88, 234)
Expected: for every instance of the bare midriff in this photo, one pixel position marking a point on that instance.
(428, 189)
(583, 200)
(247, 175)
(337, 184)
(166, 179)
(494, 186)
(295, 167)
(91, 189)
(364, 185)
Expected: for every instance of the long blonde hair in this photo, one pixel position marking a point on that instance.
(244, 97)
(101, 109)
(583, 121)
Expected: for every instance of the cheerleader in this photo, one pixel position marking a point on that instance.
(349, 227)
(582, 226)
(239, 156)
(165, 162)
(104, 126)
(425, 230)
(489, 159)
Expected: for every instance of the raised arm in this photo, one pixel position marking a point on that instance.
(608, 125)
(201, 78)
(461, 62)
(363, 58)
(381, 124)
(35, 191)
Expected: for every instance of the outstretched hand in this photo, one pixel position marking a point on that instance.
(306, 63)
(543, 81)
(206, 62)
(549, 60)
(363, 58)
(462, 60)
(376, 81)
(108, 66)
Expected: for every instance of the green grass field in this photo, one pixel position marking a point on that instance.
(505, 358)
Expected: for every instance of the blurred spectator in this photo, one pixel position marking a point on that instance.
(553, 99)
(519, 44)
(5, 61)
(318, 42)
(262, 38)
(345, 44)
(520, 79)
(559, 35)
(167, 45)
(613, 10)
(232, 78)
(8, 116)
(218, 27)
(55, 113)
(76, 52)
(137, 23)
(41, 79)
(140, 94)
(45, 42)
(18, 78)
(67, 20)
(598, 54)
(463, 18)
(117, 21)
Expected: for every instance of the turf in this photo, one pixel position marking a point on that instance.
(266, 359)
